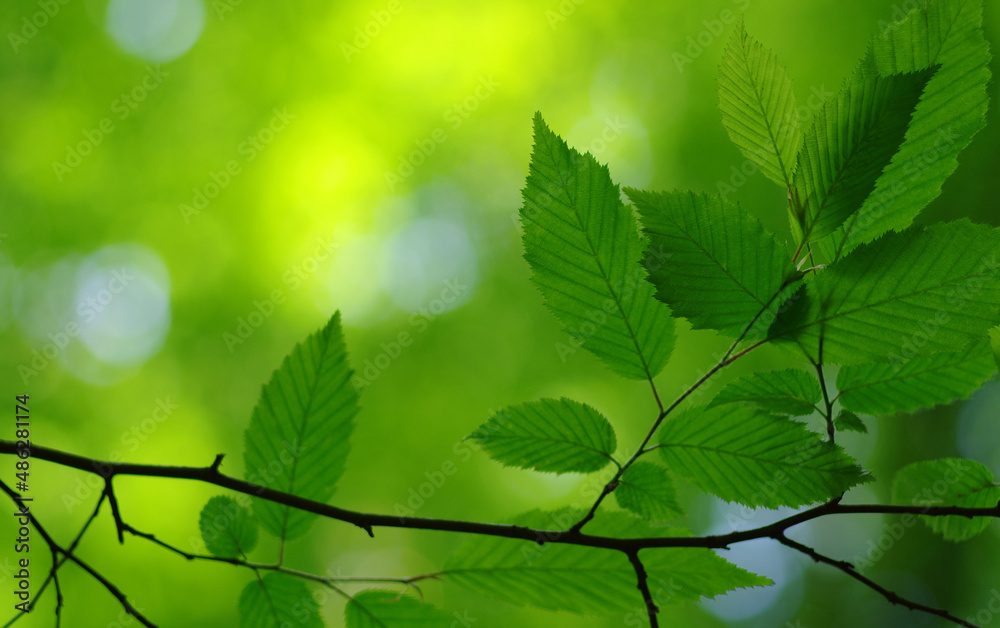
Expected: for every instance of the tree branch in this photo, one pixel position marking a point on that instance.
(56, 548)
(849, 569)
(61, 559)
(643, 584)
(369, 521)
(54, 572)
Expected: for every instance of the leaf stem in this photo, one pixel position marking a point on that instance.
(641, 450)
(831, 430)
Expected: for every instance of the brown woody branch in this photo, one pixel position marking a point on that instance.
(369, 521)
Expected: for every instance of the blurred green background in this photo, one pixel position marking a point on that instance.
(254, 166)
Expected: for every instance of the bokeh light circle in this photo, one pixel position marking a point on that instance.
(123, 304)
(155, 30)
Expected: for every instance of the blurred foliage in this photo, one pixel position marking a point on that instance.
(380, 174)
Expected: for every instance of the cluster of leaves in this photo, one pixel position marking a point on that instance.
(904, 311)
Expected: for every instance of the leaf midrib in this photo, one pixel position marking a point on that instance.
(842, 172)
(683, 228)
(779, 462)
(325, 339)
(912, 375)
(607, 282)
(545, 439)
(763, 112)
(823, 321)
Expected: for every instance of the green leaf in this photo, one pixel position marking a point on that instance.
(584, 249)
(850, 142)
(948, 482)
(791, 392)
(647, 490)
(228, 529)
(915, 384)
(278, 601)
(945, 33)
(588, 580)
(747, 456)
(908, 294)
(556, 435)
(722, 268)
(297, 441)
(392, 609)
(995, 343)
(758, 106)
(847, 421)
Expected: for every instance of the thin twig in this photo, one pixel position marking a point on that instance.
(55, 547)
(277, 567)
(849, 569)
(55, 580)
(641, 450)
(62, 559)
(109, 490)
